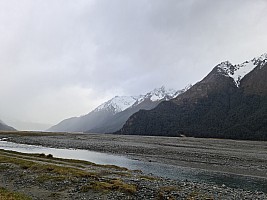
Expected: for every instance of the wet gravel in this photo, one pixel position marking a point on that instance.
(25, 181)
(241, 157)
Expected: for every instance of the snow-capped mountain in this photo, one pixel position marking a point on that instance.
(238, 72)
(117, 104)
(160, 94)
(143, 102)
(121, 103)
(111, 115)
(230, 102)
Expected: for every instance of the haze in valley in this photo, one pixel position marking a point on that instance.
(63, 58)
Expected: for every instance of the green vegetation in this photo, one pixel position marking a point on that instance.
(105, 186)
(165, 192)
(45, 177)
(47, 169)
(7, 195)
(221, 115)
(49, 157)
(197, 195)
(44, 167)
(148, 178)
(213, 108)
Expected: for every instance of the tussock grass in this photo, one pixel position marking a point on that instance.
(52, 168)
(7, 195)
(47, 168)
(165, 191)
(111, 185)
(45, 177)
(148, 178)
(78, 163)
(195, 195)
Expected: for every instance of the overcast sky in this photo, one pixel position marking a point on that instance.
(62, 58)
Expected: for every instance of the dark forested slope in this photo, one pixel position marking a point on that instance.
(227, 103)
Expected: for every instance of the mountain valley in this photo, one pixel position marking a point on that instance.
(111, 115)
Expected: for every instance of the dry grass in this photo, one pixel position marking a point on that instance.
(111, 185)
(148, 178)
(7, 195)
(40, 167)
(51, 159)
(48, 168)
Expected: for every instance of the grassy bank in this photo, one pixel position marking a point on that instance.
(7, 195)
(41, 176)
(44, 169)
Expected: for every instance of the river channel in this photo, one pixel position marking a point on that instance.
(157, 169)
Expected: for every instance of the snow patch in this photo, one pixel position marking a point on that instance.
(117, 104)
(160, 94)
(238, 72)
(121, 103)
(241, 71)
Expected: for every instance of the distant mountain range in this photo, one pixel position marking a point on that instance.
(111, 115)
(230, 102)
(26, 126)
(4, 127)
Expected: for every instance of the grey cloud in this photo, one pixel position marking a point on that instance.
(60, 58)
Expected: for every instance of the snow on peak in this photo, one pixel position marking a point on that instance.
(261, 60)
(237, 72)
(121, 103)
(225, 68)
(262, 57)
(160, 94)
(117, 104)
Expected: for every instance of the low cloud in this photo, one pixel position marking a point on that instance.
(63, 58)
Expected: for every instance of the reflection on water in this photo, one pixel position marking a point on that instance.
(168, 171)
(204, 176)
(95, 157)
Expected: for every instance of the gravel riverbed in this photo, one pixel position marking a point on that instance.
(246, 158)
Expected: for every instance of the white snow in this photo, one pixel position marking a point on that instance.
(118, 103)
(238, 72)
(241, 71)
(161, 93)
(262, 59)
(121, 103)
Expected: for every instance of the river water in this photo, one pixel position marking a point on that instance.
(158, 169)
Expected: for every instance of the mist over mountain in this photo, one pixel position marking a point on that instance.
(144, 102)
(111, 115)
(27, 126)
(4, 127)
(230, 102)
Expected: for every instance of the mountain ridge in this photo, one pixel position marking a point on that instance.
(145, 102)
(101, 119)
(5, 127)
(221, 105)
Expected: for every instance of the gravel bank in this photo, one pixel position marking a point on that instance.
(239, 157)
(230, 156)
